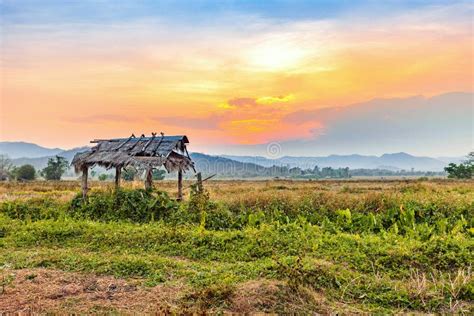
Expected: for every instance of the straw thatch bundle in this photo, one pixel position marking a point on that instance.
(140, 152)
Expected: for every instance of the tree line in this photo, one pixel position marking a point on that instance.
(57, 166)
(54, 170)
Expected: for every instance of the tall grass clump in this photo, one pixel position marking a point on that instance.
(33, 209)
(123, 204)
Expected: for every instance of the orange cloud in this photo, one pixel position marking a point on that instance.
(270, 100)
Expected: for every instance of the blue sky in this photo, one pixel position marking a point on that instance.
(102, 11)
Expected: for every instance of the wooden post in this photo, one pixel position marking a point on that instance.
(199, 182)
(149, 179)
(180, 184)
(85, 174)
(118, 175)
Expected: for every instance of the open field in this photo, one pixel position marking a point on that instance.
(250, 246)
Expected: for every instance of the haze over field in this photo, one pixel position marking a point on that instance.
(313, 77)
(27, 153)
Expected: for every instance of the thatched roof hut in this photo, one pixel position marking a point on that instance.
(142, 152)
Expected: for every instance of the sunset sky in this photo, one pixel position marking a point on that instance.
(237, 77)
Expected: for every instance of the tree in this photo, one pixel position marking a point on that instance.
(102, 177)
(129, 173)
(6, 167)
(464, 170)
(57, 166)
(470, 158)
(158, 174)
(25, 172)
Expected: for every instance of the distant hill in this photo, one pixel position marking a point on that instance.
(41, 162)
(397, 161)
(247, 166)
(225, 167)
(22, 149)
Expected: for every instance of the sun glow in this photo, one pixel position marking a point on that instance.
(276, 55)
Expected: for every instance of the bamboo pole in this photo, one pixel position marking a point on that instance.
(118, 175)
(149, 179)
(85, 174)
(180, 184)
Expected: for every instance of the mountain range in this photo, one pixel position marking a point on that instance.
(23, 153)
(22, 149)
(394, 161)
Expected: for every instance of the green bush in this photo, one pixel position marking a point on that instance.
(132, 205)
(33, 209)
(25, 172)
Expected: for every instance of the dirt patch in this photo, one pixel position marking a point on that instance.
(32, 291)
(276, 296)
(44, 290)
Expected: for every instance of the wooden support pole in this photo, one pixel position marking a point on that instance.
(118, 175)
(199, 182)
(85, 174)
(149, 179)
(180, 185)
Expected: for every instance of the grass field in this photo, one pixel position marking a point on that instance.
(248, 246)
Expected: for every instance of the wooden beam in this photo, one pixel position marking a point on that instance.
(118, 175)
(85, 174)
(153, 135)
(124, 142)
(180, 185)
(134, 145)
(159, 143)
(149, 179)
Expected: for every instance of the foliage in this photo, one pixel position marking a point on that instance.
(24, 172)
(33, 209)
(158, 174)
(56, 167)
(103, 177)
(129, 173)
(122, 204)
(463, 170)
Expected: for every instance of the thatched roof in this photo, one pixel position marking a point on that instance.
(141, 152)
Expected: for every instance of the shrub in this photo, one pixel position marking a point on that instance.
(33, 209)
(158, 174)
(133, 205)
(25, 172)
(129, 173)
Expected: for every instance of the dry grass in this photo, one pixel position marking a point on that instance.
(235, 191)
(44, 290)
(270, 296)
(53, 291)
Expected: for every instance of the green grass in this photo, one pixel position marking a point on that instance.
(409, 251)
